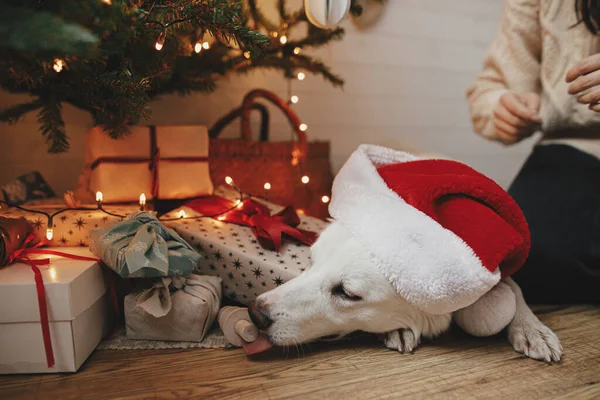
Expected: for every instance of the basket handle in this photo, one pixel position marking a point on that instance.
(301, 145)
(224, 121)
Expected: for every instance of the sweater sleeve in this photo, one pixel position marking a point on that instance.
(512, 63)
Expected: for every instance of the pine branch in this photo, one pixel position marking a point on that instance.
(12, 114)
(41, 33)
(52, 126)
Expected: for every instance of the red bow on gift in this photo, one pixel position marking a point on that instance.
(268, 229)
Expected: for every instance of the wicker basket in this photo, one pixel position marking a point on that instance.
(283, 164)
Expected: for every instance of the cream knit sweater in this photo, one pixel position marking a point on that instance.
(535, 46)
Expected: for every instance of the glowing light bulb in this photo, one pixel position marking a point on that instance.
(52, 272)
(238, 202)
(294, 99)
(305, 179)
(58, 64)
(267, 186)
(301, 76)
(303, 127)
(160, 41)
(198, 47)
(274, 34)
(325, 199)
(221, 218)
(283, 39)
(205, 46)
(181, 214)
(109, 2)
(247, 54)
(297, 50)
(300, 211)
(142, 201)
(228, 180)
(99, 196)
(49, 233)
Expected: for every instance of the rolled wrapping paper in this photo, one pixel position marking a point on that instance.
(13, 233)
(141, 247)
(174, 308)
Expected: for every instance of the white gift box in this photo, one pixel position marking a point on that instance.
(78, 307)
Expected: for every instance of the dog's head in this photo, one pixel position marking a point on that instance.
(343, 291)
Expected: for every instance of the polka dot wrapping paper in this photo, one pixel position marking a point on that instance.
(233, 252)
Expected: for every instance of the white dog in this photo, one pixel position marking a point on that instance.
(343, 291)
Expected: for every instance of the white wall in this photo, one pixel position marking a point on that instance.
(405, 83)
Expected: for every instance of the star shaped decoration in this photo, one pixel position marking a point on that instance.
(262, 253)
(70, 232)
(237, 263)
(251, 263)
(281, 262)
(80, 223)
(218, 255)
(199, 247)
(81, 243)
(254, 241)
(278, 281)
(212, 267)
(233, 295)
(63, 240)
(302, 269)
(63, 218)
(37, 224)
(241, 246)
(243, 275)
(224, 266)
(230, 275)
(271, 271)
(257, 272)
(293, 256)
(249, 285)
(244, 296)
(264, 284)
(235, 234)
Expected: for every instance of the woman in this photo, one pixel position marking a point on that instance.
(542, 72)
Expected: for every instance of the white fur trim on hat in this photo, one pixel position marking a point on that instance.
(428, 265)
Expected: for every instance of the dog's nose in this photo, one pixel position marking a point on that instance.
(259, 315)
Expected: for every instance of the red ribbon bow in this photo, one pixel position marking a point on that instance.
(22, 255)
(268, 229)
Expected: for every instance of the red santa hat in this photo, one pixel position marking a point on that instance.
(442, 233)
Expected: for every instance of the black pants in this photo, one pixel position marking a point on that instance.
(558, 190)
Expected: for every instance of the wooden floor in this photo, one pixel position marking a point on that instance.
(455, 366)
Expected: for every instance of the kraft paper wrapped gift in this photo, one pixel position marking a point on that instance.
(234, 253)
(174, 308)
(70, 228)
(79, 312)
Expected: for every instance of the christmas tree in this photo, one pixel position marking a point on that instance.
(111, 57)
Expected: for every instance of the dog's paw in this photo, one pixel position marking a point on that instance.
(535, 340)
(403, 340)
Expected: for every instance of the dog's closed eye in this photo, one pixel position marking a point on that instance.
(340, 291)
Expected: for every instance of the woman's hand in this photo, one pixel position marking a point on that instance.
(584, 79)
(516, 116)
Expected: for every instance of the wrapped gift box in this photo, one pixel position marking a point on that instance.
(70, 228)
(233, 252)
(79, 312)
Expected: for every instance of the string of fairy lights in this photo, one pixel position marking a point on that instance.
(238, 203)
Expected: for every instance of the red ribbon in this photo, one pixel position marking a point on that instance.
(268, 229)
(22, 255)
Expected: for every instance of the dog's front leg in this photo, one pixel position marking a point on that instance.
(403, 340)
(528, 335)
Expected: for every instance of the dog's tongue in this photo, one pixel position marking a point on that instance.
(261, 344)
